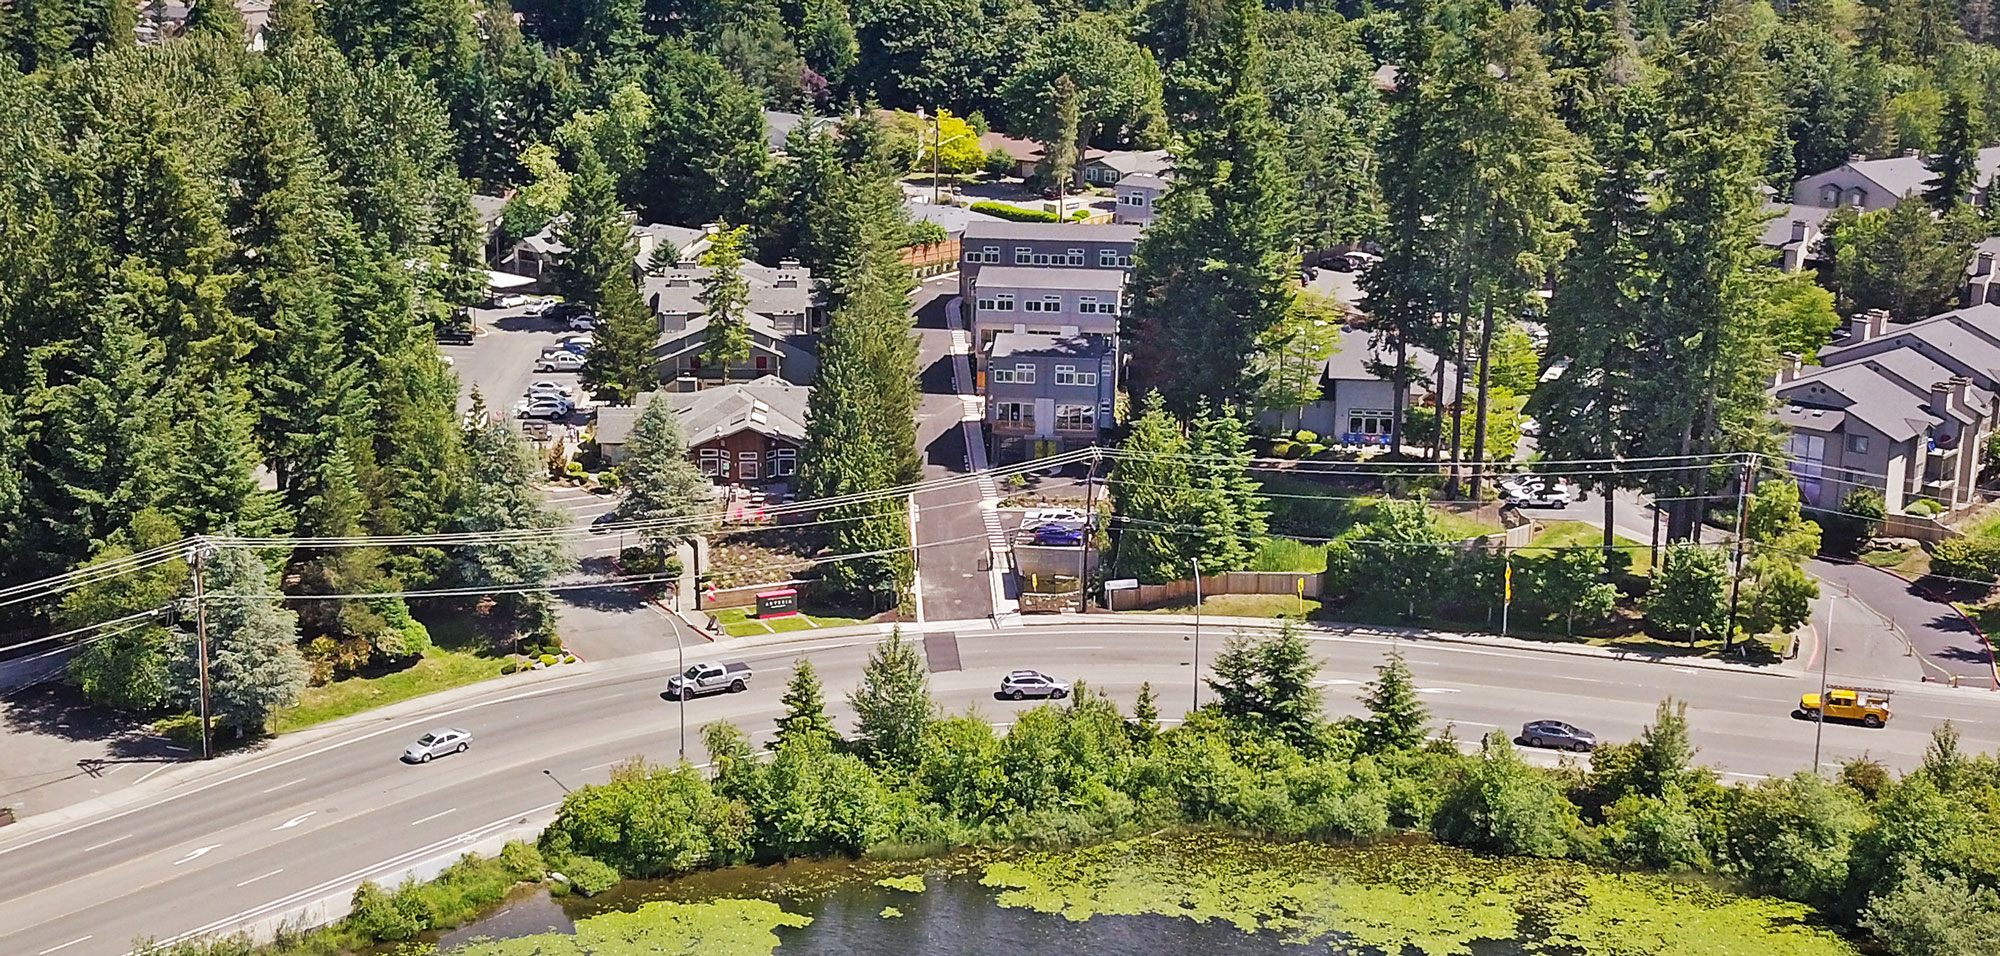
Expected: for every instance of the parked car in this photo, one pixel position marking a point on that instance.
(582, 323)
(559, 361)
(1037, 517)
(1356, 261)
(602, 523)
(548, 408)
(1069, 189)
(1059, 534)
(539, 305)
(706, 677)
(563, 310)
(507, 300)
(1555, 733)
(1541, 494)
(1023, 684)
(550, 390)
(535, 431)
(454, 335)
(445, 740)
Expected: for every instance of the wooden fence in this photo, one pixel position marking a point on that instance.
(1229, 582)
(931, 259)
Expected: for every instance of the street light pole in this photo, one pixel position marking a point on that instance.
(1197, 632)
(937, 146)
(1825, 655)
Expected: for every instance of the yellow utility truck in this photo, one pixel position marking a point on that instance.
(1868, 705)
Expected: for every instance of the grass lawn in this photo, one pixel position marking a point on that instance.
(1560, 534)
(1280, 606)
(737, 622)
(1909, 562)
(439, 669)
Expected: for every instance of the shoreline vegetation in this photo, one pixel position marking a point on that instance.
(1830, 862)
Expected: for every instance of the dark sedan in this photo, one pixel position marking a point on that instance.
(1555, 733)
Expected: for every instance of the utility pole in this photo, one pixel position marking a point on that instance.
(1742, 528)
(196, 556)
(1089, 531)
(1197, 632)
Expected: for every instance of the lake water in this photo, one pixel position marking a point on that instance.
(1187, 895)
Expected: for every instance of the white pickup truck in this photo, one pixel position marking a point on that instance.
(706, 677)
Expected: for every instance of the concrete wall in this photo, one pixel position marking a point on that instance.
(1230, 582)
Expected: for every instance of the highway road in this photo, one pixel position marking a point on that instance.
(258, 834)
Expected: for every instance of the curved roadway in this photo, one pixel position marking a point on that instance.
(253, 837)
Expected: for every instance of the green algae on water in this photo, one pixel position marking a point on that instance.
(890, 912)
(913, 883)
(727, 927)
(1428, 899)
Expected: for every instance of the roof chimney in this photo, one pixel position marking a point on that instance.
(1985, 266)
(1868, 325)
(1941, 400)
(1961, 395)
(1789, 365)
(1798, 230)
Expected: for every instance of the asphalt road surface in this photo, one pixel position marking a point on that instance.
(301, 822)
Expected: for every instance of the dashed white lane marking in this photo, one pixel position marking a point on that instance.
(284, 785)
(434, 816)
(106, 843)
(67, 945)
(265, 876)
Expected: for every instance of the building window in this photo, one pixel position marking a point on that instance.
(784, 462)
(1068, 375)
(1076, 257)
(1076, 418)
(1032, 305)
(1022, 255)
(985, 305)
(1857, 197)
(1368, 422)
(1110, 259)
(993, 254)
(763, 363)
(1089, 305)
(712, 463)
(1857, 444)
(1024, 374)
(1829, 195)
(1004, 302)
(1003, 376)
(1019, 414)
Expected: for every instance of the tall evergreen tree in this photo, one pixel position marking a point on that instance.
(1230, 503)
(596, 237)
(218, 18)
(1954, 166)
(706, 156)
(254, 663)
(1703, 326)
(501, 496)
(1907, 259)
(1057, 132)
(892, 705)
(657, 483)
(620, 366)
(725, 295)
(1152, 490)
(1398, 719)
(1214, 269)
(805, 709)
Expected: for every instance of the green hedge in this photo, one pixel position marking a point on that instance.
(1015, 213)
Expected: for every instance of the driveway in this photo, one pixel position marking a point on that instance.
(953, 560)
(1946, 641)
(500, 362)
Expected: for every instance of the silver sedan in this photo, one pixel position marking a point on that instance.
(447, 740)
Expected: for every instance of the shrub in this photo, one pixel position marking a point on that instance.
(1305, 436)
(999, 164)
(589, 876)
(510, 667)
(182, 729)
(637, 560)
(1858, 518)
(405, 635)
(1505, 806)
(548, 658)
(1971, 558)
(1080, 215)
(574, 469)
(1014, 213)
(649, 821)
(1922, 508)
(376, 916)
(608, 480)
(522, 861)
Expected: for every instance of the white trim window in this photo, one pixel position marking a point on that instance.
(784, 462)
(1020, 414)
(1088, 305)
(712, 462)
(999, 302)
(1076, 418)
(1366, 421)
(1024, 374)
(993, 254)
(1076, 257)
(1023, 254)
(1068, 375)
(1003, 376)
(1110, 259)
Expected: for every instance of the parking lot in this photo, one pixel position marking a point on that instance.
(500, 362)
